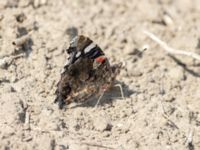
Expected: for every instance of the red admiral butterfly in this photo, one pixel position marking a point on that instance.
(87, 72)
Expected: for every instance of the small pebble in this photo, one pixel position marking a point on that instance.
(5, 62)
(168, 20)
(101, 124)
(176, 73)
(20, 17)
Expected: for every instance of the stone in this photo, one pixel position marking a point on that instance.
(45, 142)
(101, 124)
(176, 73)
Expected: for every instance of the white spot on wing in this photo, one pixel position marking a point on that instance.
(62, 71)
(89, 47)
(78, 54)
(66, 63)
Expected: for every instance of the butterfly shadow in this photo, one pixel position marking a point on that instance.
(185, 67)
(108, 97)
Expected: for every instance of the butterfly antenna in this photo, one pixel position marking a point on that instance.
(121, 90)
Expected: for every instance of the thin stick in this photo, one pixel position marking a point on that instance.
(99, 99)
(121, 90)
(6, 61)
(20, 41)
(164, 113)
(27, 121)
(170, 50)
(96, 145)
(190, 137)
(168, 119)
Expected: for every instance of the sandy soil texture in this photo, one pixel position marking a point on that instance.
(161, 110)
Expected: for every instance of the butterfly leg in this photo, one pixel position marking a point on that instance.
(100, 97)
(60, 102)
(121, 90)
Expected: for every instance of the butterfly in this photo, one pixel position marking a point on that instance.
(87, 72)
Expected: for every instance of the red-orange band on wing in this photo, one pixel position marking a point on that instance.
(100, 59)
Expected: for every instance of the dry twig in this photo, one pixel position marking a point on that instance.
(96, 145)
(20, 41)
(189, 139)
(190, 136)
(6, 61)
(164, 113)
(169, 49)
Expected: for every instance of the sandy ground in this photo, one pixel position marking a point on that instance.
(162, 106)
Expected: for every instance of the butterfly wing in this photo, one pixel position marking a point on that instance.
(78, 78)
